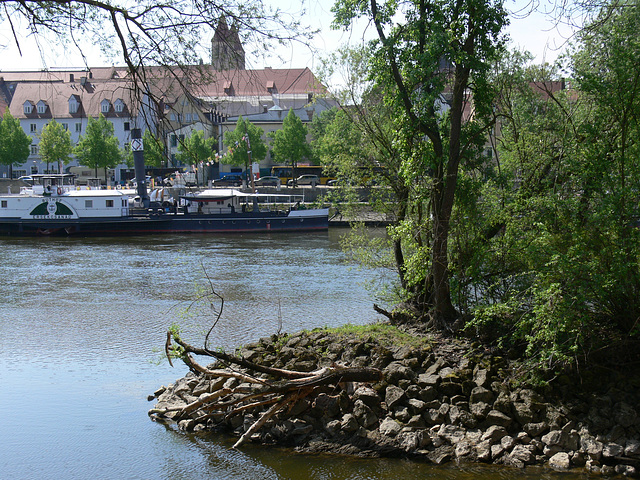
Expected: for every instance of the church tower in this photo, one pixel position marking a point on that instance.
(226, 48)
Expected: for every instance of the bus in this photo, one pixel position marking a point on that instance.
(284, 173)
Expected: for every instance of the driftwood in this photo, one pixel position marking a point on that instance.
(278, 388)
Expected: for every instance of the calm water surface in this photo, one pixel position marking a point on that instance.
(82, 322)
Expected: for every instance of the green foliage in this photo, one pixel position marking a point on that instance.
(99, 148)
(196, 149)
(555, 261)
(55, 144)
(289, 144)
(238, 148)
(14, 143)
(154, 150)
(421, 70)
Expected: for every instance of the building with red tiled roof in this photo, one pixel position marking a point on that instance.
(179, 100)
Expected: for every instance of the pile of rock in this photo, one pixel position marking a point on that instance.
(434, 401)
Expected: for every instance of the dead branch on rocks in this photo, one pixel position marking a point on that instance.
(259, 386)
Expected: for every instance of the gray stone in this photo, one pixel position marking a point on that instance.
(433, 416)
(591, 447)
(626, 470)
(390, 427)
(410, 441)
(560, 461)
(632, 449)
(612, 450)
(333, 427)
(496, 450)
(368, 395)
(416, 406)
(364, 414)
(480, 410)
(450, 389)
(481, 377)
(494, 433)
(522, 455)
(481, 394)
(397, 371)
(394, 396)
(441, 455)
(428, 393)
(483, 451)
(507, 442)
(451, 433)
(402, 414)
(495, 417)
(349, 423)
(554, 437)
(535, 429)
(428, 380)
(463, 449)
(522, 412)
(417, 422)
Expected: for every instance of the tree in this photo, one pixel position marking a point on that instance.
(560, 277)
(241, 152)
(14, 143)
(426, 67)
(290, 142)
(154, 150)
(196, 150)
(99, 148)
(55, 145)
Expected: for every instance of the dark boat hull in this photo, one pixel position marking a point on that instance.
(163, 224)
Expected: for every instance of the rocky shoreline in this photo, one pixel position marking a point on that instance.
(439, 400)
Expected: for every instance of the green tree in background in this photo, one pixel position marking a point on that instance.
(99, 148)
(196, 150)
(289, 144)
(14, 143)
(154, 150)
(238, 148)
(55, 145)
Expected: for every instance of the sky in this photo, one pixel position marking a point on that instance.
(534, 33)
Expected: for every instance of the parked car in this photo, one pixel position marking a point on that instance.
(228, 181)
(267, 182)
(26, 179)
(308, 179)
(338, 182)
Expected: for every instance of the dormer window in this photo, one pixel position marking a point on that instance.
(118, 106)
(271, 86)
(42, 107)
(228, 88)
(28, 107)
(105, 106)
(74, 104)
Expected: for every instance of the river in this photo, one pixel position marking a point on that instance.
(82, 324)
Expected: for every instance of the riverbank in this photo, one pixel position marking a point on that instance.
(438, 400)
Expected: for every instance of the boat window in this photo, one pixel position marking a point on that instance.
(88, 204)
(109, 203)
(4, 204)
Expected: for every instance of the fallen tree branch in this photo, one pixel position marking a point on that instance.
(279, 388)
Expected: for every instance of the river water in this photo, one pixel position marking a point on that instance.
(82, 324)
